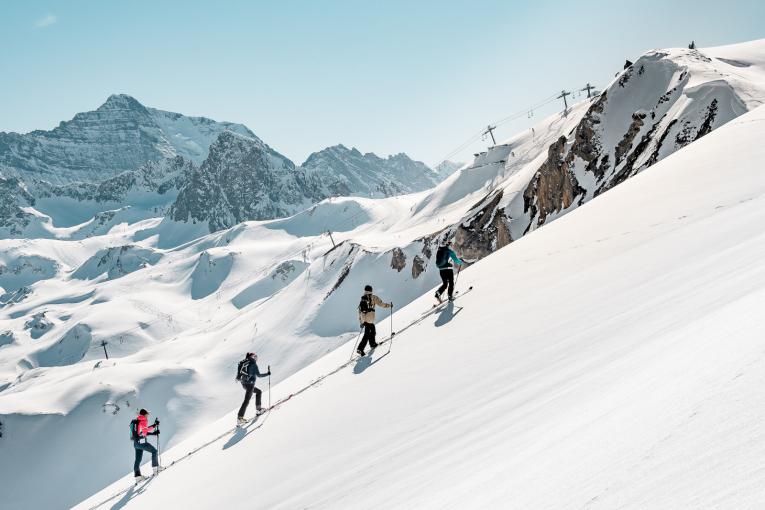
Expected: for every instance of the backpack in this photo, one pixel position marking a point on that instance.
(241, 370)
(365, 305)
(134, 430)
(442, 256)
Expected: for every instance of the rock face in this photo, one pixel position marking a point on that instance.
(14, 196)
(631, 126)
(398, 259)
(162, 177)
(367, 174)
(554, 186)
(243, 179)
(120, 136)
(656, 106)
(124, 154)
(484, 231)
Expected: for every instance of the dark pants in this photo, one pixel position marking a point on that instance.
(249, 389)
(369, 336)
(447, 280)
(139, 449)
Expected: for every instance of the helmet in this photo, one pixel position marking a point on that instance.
(368, 288)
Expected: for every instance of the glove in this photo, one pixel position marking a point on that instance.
(156, 422)
(391, 304)
(269, 373)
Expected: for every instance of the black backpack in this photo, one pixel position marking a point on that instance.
(134, 430)
(366, 305)
(442, 256)
(241, 370)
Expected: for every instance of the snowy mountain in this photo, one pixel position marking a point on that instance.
(447, 168)
(664, 101)
(124, 148)
(177, 305)
(243, 179)
(630, 389)
(119, 136)
(83, 209)
(370, 175)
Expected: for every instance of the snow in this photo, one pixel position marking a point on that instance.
(612, 359)
(554, 323)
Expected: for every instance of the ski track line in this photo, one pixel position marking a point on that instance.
(283, 400)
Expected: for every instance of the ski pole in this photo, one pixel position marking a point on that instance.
(459, 268)
(159, 452)
(391, 322)
(392, 333)
(356, 342)
(269, 386)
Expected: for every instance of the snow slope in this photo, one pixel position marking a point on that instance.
(614, 359)
(178, 306)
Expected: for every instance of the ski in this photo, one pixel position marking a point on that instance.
(457, 294)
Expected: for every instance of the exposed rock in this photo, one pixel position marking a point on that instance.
(345, 271)
(159, 177)
(367, 174)
(24, 270)
(16, 296)
(38, 325)
(14, 196)
(418, 266)
(120, 136)
(484, 232)
(243, 179)
(625, 144)
(655, 154)
(587, 144)
(398, 260)
(628, 170)
(706, 126)
(554, 187)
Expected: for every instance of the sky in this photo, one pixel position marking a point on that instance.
(385, 77)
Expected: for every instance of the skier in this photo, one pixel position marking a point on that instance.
(443, 254)
(367, 318)
(140, 429)
(247, 373)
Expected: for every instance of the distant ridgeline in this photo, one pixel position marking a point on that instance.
(196, 169)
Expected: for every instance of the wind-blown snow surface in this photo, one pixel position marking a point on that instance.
(614, 359)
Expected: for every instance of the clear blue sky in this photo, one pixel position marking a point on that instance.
(387, 77)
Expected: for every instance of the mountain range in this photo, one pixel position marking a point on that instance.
(224, 173)
(157, 267)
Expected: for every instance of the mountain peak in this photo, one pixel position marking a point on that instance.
(121, 102)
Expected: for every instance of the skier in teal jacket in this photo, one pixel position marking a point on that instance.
(444, 257)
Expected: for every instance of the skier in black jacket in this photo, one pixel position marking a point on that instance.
(248, 374)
